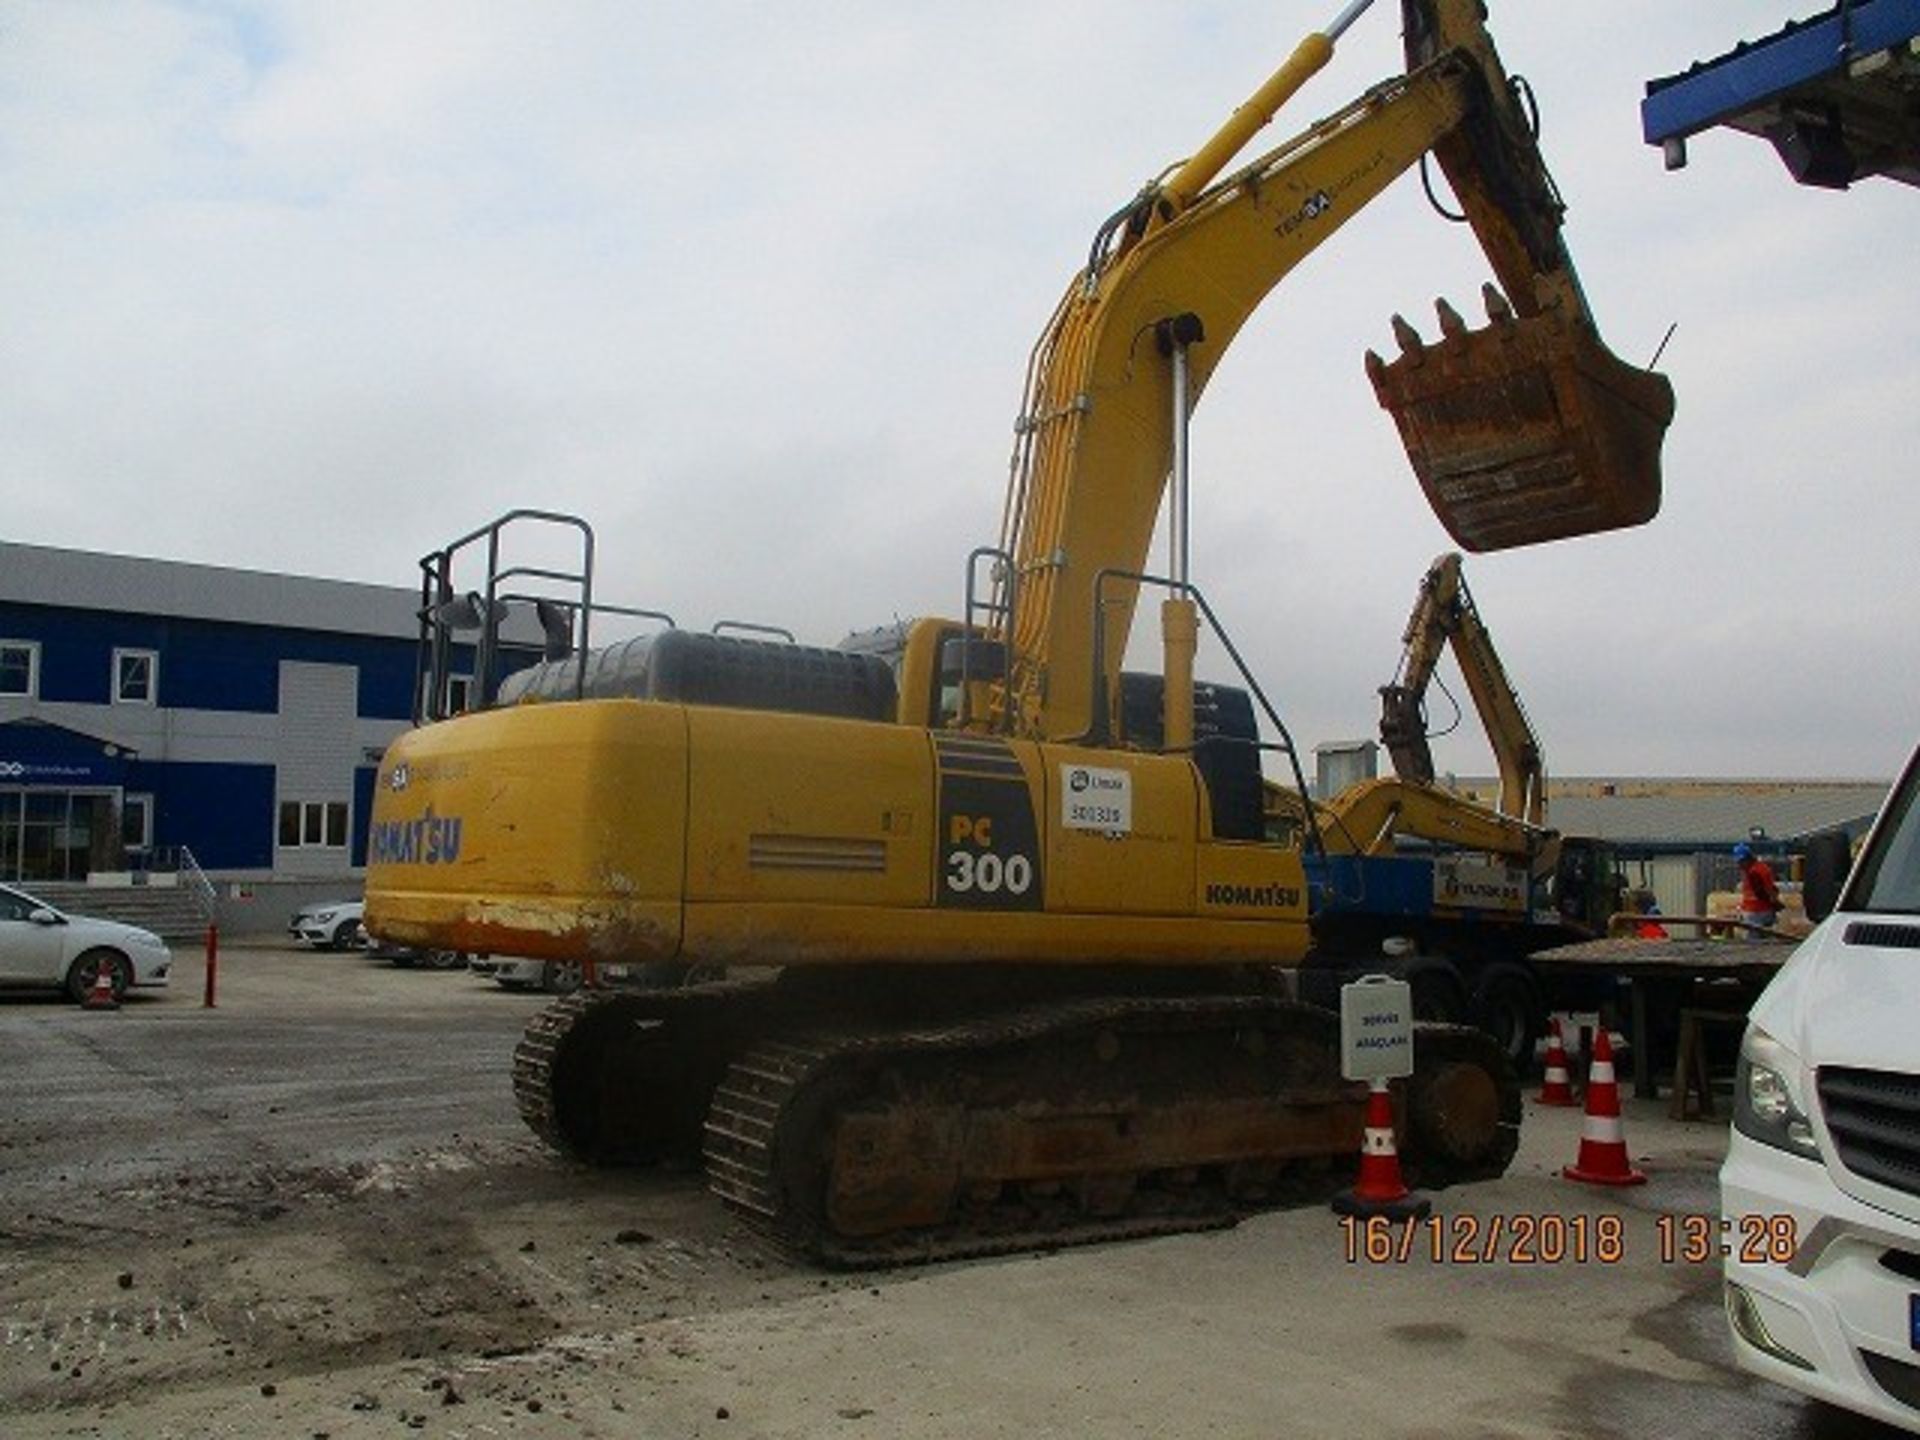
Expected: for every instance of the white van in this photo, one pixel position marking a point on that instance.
(1820, 1193)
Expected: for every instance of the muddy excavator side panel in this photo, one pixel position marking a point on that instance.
(1528, 430)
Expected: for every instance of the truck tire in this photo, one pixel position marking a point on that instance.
(1439, 994)
(1507, 1005)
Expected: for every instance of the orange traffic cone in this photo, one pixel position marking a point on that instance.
(1557, 1088)
(1603, 1141)
(101, 996)
(1379, 1190)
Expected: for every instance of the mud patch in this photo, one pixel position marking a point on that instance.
(1430, 1334)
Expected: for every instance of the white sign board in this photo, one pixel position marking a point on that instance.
(1376, 1029)
(1094, 798)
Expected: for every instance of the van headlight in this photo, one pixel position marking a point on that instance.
(1768, 1086)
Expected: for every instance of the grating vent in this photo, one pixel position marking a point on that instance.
(1875, 1119)
(1887, 937)
(816, 852)
(1896, 1377)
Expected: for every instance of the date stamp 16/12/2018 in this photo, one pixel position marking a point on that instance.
(1550, 1238)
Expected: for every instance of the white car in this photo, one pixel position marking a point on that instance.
(42, 947)
(1820, 1192)
(329, 924)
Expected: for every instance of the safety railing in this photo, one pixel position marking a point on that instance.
(1099, 732)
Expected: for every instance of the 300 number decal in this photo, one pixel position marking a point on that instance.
(972, 870)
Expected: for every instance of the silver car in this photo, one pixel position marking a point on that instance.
(43, 948)
(329, 924)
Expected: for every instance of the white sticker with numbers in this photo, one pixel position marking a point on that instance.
(1092, 798)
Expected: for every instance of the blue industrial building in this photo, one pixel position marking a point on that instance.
(149, 705)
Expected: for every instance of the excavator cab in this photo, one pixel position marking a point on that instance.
(1528, 430)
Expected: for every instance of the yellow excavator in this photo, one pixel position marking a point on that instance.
(1431, 886)
(999, 922)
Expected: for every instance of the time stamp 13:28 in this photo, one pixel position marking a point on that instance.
(1500, 1238)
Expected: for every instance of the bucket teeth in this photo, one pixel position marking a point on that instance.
(1498, 310)
(1376, 368)
(1411, 345)
(1451, 324)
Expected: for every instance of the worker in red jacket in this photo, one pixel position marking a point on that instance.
(1759, 893)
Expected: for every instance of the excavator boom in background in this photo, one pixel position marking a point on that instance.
(1435, 887)
(1003, 927)
(1444, 615)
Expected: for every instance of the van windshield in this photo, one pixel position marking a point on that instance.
(1889, 878)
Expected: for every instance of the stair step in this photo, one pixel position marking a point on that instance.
(172, 912)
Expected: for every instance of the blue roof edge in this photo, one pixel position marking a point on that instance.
(1682, 105)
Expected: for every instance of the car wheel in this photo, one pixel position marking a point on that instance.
(81, 974)
(560, 977)
(348, 935)
(447, 959)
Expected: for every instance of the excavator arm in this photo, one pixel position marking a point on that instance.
(1523, 422)
(1444, 616)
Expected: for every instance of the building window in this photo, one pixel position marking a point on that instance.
(136, 822)
(20, 668)
(313, 824)
(136, 677)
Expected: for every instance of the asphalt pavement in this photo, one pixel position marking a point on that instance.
(313, 1210)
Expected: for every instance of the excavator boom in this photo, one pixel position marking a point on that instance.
(1444, 616)
(1524, 432)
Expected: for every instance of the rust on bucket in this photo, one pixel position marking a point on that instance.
(1528, 430)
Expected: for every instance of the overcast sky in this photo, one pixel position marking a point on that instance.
(752, 287)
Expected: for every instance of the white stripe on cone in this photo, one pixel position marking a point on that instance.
(1604, 1130)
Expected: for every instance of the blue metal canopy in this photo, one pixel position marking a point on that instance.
(1838, 95)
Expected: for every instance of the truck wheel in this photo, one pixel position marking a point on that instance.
(1506, 1004)
(1438, 995)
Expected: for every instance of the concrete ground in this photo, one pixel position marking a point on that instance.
(313, 1212)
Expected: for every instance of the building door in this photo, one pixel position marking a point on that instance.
(55, 834)
(11, 803)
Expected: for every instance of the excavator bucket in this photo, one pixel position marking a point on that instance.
(1527, 431)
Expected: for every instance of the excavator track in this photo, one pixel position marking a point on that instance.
(877, 1139)
(623, 1077)
(1074, 1123)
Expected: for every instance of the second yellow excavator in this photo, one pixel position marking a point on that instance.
(1003, 926)
(1420, 882)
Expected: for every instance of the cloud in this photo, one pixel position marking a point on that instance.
(314, 286)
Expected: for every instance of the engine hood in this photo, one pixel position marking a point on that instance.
(83, 930)
(1835, 1003)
